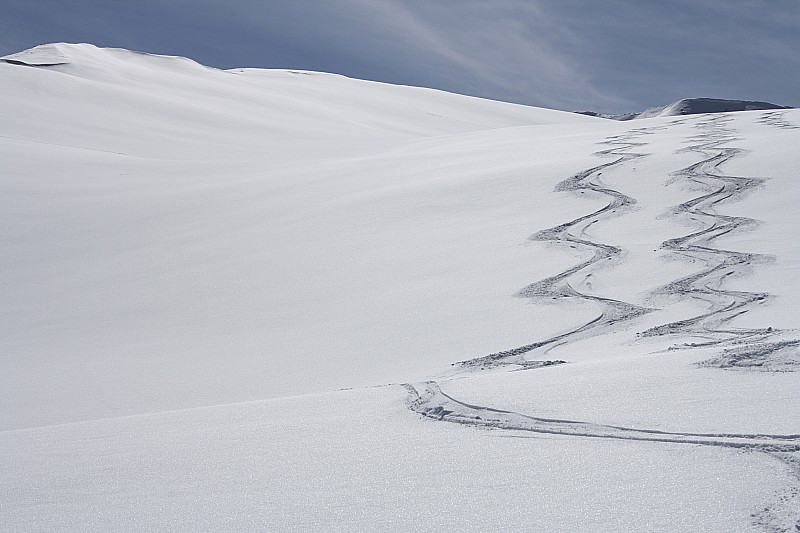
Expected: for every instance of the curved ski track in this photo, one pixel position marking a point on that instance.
(777, 119)
(574, 234)
(428, 400)
(746, 347)
(749, 346)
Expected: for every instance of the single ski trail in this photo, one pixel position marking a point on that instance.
(757, 348)
(574, 234)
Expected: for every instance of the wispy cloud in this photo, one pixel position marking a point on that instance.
(510, 48)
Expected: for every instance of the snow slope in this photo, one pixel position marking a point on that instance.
(197, 261)
(174, 108)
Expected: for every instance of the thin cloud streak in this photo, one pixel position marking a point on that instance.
(496, 49)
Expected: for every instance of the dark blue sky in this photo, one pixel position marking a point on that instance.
(609, 55)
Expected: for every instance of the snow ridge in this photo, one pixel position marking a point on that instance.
(691, 106)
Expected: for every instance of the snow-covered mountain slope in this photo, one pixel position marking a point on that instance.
(698, 106)
(160, 212)
(197, 261)
(173, 108)
(693, 106)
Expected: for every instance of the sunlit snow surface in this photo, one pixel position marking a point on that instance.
(544, 321)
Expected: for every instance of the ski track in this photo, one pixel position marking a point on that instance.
(574, 233)
(428, 400)
(777, 119)
(754, 348)
(761, 348)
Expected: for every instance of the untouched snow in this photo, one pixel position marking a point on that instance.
(196, 261)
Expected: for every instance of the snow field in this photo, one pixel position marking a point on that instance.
(195, 261)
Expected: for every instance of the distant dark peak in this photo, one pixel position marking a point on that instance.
(692, 106)
(696, 106)
(592, 114)
(26, 64)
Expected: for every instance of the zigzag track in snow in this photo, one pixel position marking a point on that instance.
(777, 119)
(574, 233)
(746, 347)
